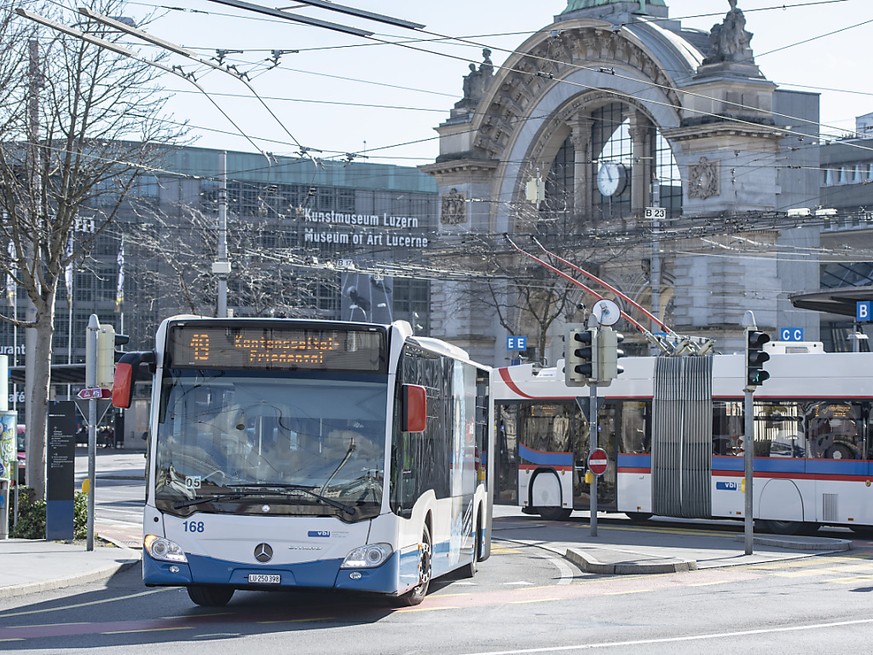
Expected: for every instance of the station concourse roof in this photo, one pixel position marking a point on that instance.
(842, 301)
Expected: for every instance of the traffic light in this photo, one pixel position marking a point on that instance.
(608, 355)
(755, 357)
(107, 339)
(580, 362)
(105, 356)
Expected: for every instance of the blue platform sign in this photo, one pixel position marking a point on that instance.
(863, 310)
(791, 334)
(516, 343)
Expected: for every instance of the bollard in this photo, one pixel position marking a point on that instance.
(4, 508)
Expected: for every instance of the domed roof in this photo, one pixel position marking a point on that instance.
(575, 5)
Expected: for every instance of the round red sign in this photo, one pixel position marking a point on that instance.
(597, 461)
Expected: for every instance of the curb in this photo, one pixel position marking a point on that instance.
(823, 544)
(589, 564)
(49, 585)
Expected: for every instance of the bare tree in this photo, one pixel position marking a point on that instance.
(265, 280)
(77, 125)
(528, 298)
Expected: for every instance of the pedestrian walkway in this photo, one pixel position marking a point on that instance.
(31, 566)
(658, 546)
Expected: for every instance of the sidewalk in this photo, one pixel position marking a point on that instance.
(30, 566)
(620, 547)
(657, 546)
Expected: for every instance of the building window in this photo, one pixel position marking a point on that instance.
(412, 303)
(612, 144)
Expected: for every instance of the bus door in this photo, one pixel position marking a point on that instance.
(608, 427)
(837, 452)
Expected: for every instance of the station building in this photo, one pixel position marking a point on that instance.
(612, 109)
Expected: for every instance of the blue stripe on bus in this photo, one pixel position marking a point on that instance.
(313, 575)
(399, 572)
(544, 459)
(817, 468)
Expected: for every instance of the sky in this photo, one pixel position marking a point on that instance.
(344, 94)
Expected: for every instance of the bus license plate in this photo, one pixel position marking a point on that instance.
(263, 578)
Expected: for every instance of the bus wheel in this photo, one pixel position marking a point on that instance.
(470, 569)
(555, 513)
(425, 554)
(210, 596)
(638, 517)
(784, 527)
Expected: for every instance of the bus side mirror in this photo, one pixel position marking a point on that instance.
(414, 412)
(125, 377)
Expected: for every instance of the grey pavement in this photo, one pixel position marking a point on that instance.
(620, 547)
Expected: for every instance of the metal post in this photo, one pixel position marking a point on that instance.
(749, 463)
(222, 265)
(593, 322)
(592, 438)
(748, 442)
(91, 383)
(655, 262)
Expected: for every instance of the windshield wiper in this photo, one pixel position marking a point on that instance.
(236, 495)
(291, 490)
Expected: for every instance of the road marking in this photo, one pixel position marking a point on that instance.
(672, 640)
(519, 583)
(534, 600)
(853, 579)
(133, 632)
(88, 604)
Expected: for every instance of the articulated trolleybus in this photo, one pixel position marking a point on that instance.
(292, 454)
(673, 429)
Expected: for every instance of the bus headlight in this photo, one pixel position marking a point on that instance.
(164, 549)
(367, 557)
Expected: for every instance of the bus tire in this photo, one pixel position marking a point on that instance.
(469, 570)
(638, 517)
(425, 570)
(555, 513)
(210, 596)
(784, 527)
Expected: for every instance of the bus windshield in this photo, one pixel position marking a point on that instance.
(240, 442)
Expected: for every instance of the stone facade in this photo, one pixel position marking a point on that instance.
(705, 99)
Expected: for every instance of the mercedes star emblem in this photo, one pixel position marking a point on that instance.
(263, 552)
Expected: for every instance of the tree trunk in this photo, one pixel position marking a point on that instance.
(37, 403)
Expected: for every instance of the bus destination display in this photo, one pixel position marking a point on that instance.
(274, 348)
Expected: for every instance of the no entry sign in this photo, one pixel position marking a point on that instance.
(597, 461)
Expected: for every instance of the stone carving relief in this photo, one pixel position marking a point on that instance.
(453, 210)
(531, 76)
(703, 179)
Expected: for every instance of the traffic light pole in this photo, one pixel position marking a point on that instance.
(754, 376)
(749, 463)
(593, 323)
(91, 382)
(592, 424)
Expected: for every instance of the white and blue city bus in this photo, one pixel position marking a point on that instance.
(293, 454)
